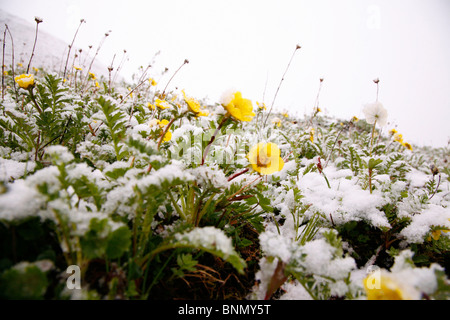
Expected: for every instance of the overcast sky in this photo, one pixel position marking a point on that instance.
(247, 45)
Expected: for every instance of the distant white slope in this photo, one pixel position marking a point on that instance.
(50, 52)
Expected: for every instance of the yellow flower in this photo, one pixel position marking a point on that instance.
(277, 121)
(20, 65)
(92, 76)
(162, 104)
(78, 68)
(436, 234)
(167, 136)
(96, 84)
(285, 114)
(163, 123)
(407, 146)
(152, 81)
(265, 158)
(398, 137)
(239, 108)
(5, 72)
(392, 132)
(25, 80)
(388, 288)
(151, 106)
(311, 134)
(355, 119)
(194, 106)
(261, 106)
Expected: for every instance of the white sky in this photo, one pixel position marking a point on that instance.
(247, 45)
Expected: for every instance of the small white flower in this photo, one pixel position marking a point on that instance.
(375, 112)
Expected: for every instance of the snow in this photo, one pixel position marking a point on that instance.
(345, 201)
(210, 238)
(433, 216)
(11, 169)
(19, 202)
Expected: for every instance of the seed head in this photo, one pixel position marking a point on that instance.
(434, 170)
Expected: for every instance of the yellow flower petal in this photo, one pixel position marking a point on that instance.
(265, 158)
(239, 108)
(25, 80)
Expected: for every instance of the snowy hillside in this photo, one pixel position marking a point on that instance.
(50, 52)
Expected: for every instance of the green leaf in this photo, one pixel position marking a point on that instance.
(119, 241)
(23, 282)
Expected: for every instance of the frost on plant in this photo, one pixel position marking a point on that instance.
(156, 194)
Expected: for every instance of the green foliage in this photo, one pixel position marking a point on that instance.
(23, 282)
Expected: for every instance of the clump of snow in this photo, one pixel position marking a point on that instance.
(19, 202)
(345, 200)
(12, 169)
(210, 176)
(275, 245)
(421, 223)
(210, 238)
(320, 259)
(59, 154)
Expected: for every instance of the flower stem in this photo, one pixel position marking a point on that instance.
(371, 139)
(186, 61)
(34, 45)
(212, 139)
(278, 89)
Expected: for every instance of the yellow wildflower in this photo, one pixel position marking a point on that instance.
(388, 288)
(398, 137)
(151, 106)
(407, 146)
(25, 80)
(5, 72)
(167, 136)
(92, 76)
(152, 81)
(20, 65)
(78, 68)
(277, 121)
(239, 108)
(261, 106)
(285, 114)
(163, 123)
(265, 158)
(97, 84)
(311, 134)
(392, 132)
(194, 106)
(436, 234)
(355, 119)
(162, 104)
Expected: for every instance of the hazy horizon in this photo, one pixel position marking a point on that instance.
(247, 45)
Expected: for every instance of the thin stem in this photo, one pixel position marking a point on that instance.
(70, 47)
(12, 58)
(282, 78)
(186, 61)
(212, 139)
(371, 139)
(439, 182)
(237, 174)
(243, 188)
(3, 66)
(35, 40)
(33, 98)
